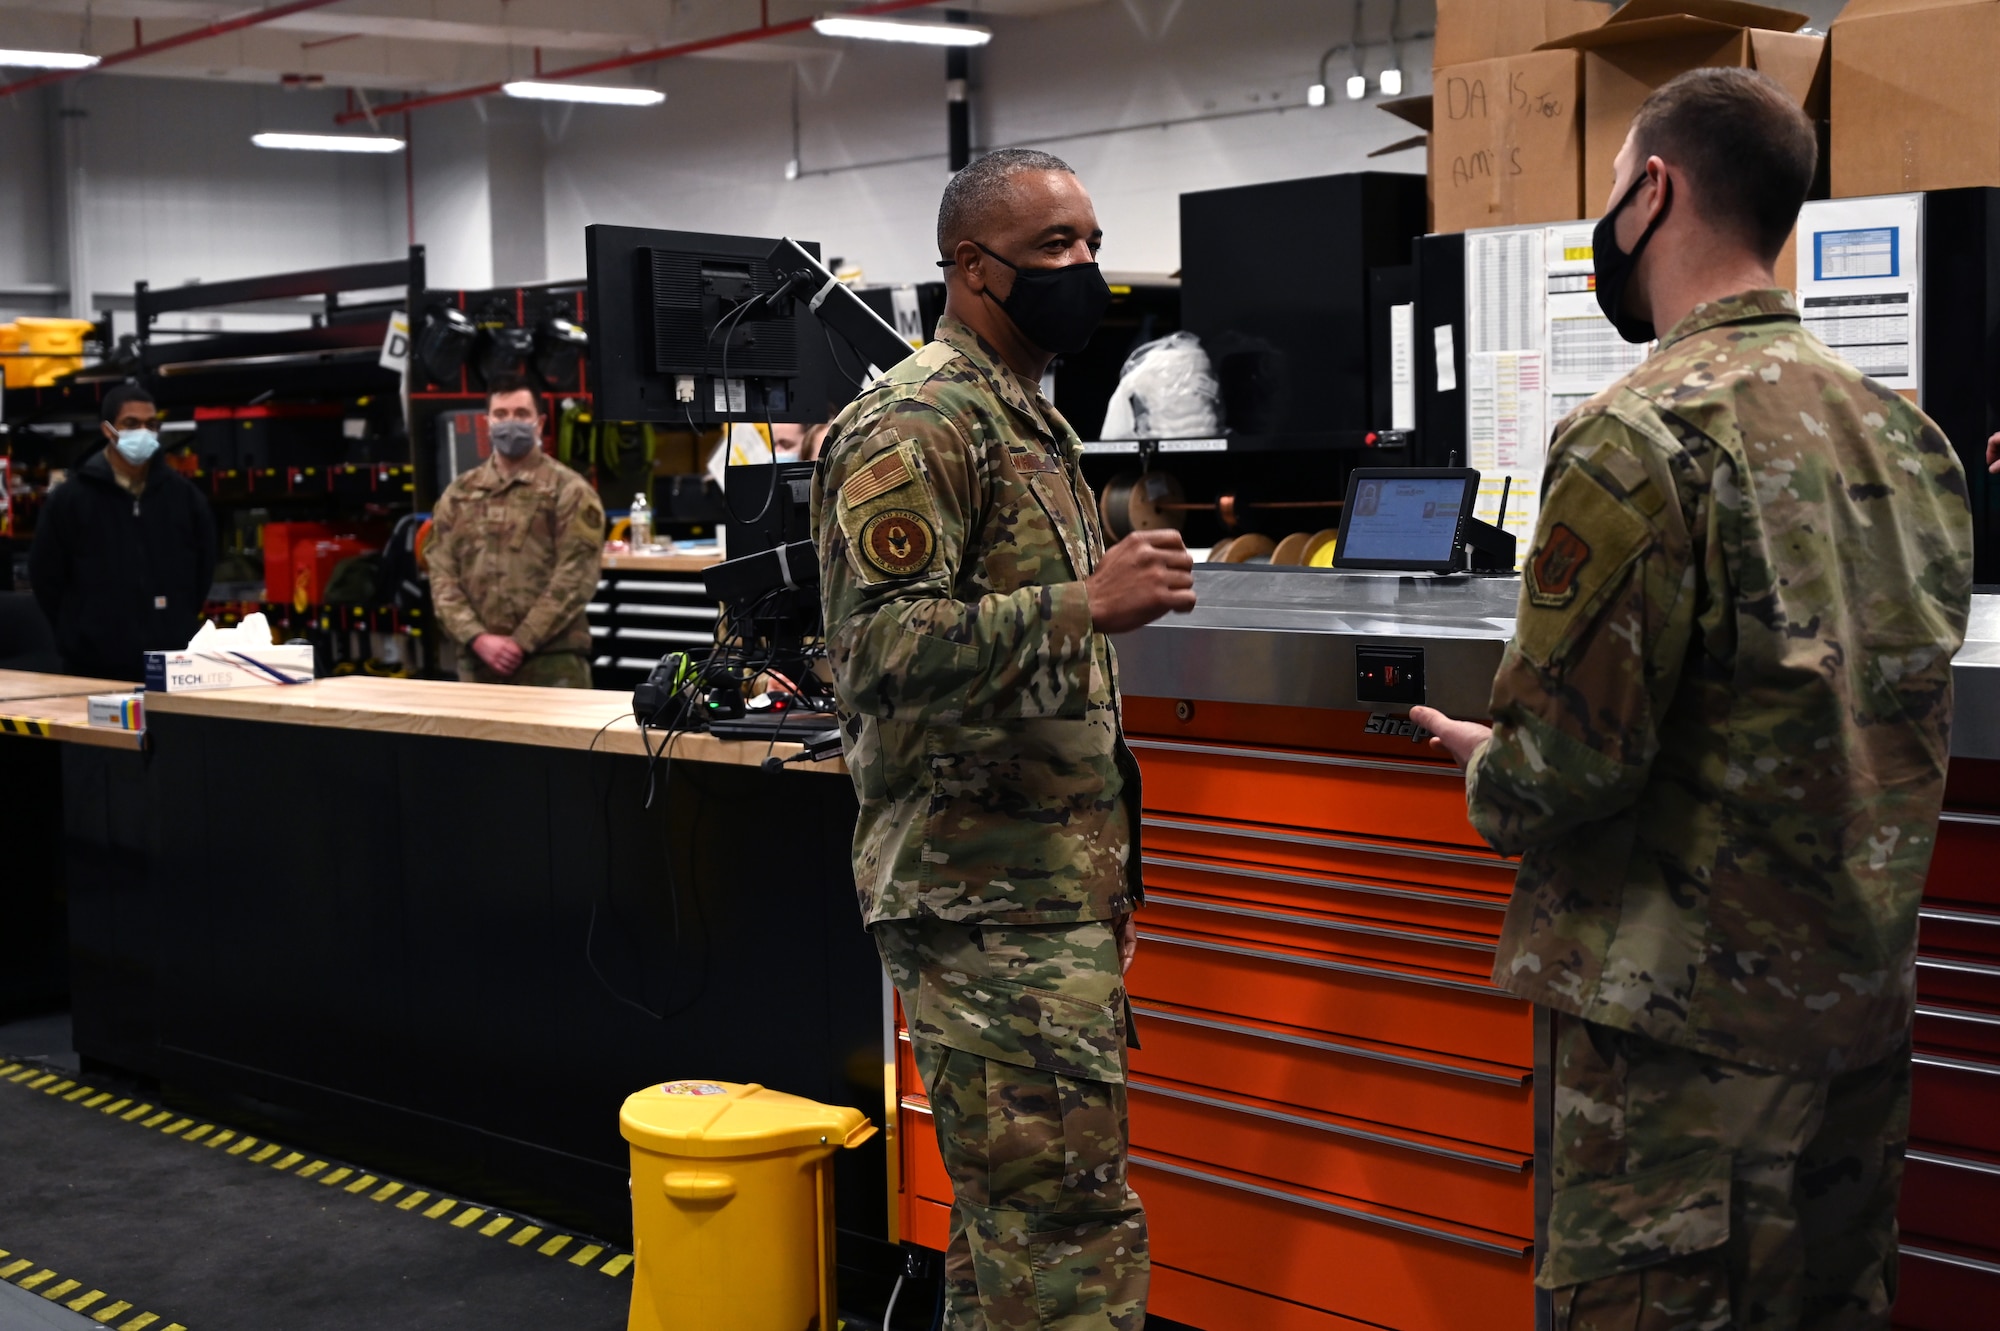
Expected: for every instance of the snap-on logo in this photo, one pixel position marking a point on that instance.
(1388, 723)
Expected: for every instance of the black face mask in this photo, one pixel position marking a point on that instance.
(1614, 266)
(1057, 309)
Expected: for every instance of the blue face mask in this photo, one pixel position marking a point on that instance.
(137, 446)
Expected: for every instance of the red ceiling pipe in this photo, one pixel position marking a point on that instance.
(640, 57)
(246, 20)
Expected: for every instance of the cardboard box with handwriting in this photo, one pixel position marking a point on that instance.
(1507, 141)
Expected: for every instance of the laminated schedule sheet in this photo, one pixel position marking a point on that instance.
(1859, 284)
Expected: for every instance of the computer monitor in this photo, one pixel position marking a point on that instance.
(674, 335)
(1407, 519)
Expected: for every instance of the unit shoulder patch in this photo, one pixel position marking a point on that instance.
(877, 478)
(1553, 572)
(899, 542)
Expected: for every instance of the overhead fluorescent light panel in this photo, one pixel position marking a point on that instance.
(899, 30)
(46, 59)
(329, 143)
(597, 93)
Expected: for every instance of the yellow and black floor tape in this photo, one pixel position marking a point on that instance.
(73, 1295)
(492, 1224)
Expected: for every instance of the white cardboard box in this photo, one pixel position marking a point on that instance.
(123, 711)
(227, 668)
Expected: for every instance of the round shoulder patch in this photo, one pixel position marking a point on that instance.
(898, 542)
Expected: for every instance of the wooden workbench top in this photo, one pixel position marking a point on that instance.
(35, 684)
(663, 563)
(557, 718)
(66, 717)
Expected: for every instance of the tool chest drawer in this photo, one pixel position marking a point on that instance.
(1965, 867)
(1452, 873)
(1954, 1101)
(1967, 1032)
(1354, 1158)
(1419, 1008)
(1951, 1196)
(1339, 793)
(1374, 1264)
(1466, 1100)
(1420, 907)
(1430, 950)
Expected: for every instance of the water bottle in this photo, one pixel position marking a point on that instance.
(641, 534)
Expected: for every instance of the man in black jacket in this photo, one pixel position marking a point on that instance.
(124, 550)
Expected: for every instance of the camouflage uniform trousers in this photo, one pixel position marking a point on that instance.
(1694, 1194)
(544, 670)
(1046, 1232)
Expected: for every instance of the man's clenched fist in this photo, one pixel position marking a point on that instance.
(1142, 577)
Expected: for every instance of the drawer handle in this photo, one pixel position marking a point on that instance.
(1310, 880)
(1950, 1259)
(1958, 1014)
(1973, 820)
(1311, 922)
(1964, 967)
(1321, 963)
(1953, 1162)
(1295, 835)
(1294, 756)
(1351, 1213)
(1334, 1047)
(1958, 916)
(1956, 1064)
(1514, 1166)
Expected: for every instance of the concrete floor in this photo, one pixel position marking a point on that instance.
(45, 1038)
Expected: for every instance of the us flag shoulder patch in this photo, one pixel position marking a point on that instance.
(877, 478)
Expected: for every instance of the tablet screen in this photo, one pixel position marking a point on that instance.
(1404, 520)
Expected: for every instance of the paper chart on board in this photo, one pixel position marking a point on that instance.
(1860, 290)
(1507, 437)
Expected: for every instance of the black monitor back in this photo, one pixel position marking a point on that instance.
(1274, 280)
(659, 309)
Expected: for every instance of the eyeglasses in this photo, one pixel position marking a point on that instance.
(513, 414)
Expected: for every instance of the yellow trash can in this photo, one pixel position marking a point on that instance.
(732, 1206)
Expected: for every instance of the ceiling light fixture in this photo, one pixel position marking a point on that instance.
(1316, 95)
(1357, 87)
(329, 143)
(596, 93)
(895, 30)
(1392, 83)
(47, 59)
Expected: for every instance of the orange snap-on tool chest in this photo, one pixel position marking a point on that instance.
(1335, 1115)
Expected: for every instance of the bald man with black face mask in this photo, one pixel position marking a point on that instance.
(969, 599)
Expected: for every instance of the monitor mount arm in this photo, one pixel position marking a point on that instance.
(832, 302)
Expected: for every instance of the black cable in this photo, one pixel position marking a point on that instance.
(771, 492)
(834, 352)
(605, 897)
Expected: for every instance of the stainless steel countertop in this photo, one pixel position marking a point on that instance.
(1286, 636)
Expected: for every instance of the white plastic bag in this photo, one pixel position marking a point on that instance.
(1167, 390)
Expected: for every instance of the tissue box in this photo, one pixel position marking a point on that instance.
(227, 667)
(123, 711)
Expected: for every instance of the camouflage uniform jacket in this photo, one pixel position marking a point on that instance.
(1720, 729)
(517, 555)
(979, 706)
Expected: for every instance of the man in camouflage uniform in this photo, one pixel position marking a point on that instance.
(513, 556)
(968, 596)
(1719, 747)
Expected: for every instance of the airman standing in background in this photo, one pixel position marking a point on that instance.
(514, 553)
